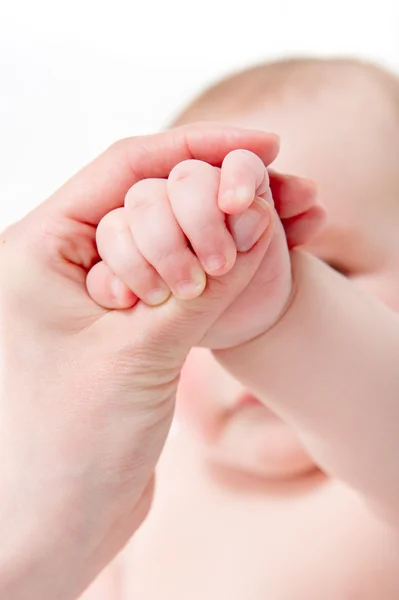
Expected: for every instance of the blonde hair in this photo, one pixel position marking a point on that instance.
(269, 82)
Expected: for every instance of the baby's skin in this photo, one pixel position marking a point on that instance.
(177, 236)
(191, 228)
(303, 506)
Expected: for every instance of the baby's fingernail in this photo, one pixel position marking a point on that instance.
(244, 195)
(248, 227)
(117, 288)
(157, 296)
(240, 197)
(213, 264)
(191, 288)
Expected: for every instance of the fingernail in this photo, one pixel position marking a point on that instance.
(214, 263)
(242, 196)
(117, 288)
(157, 296)
(250, 225)
(189, 289)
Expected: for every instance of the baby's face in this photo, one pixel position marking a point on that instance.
(349, 151)
(349, 148)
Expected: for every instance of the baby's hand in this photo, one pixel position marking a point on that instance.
(172, 233)
(297, 218)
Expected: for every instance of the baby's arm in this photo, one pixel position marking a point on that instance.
(330, 368)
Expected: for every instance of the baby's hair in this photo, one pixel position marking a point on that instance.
(256, 87)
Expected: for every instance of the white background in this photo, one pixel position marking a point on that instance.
(77, 75)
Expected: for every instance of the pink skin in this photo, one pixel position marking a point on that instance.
(93, 408)
(152, 232)
(359, 239)
(236, 536)
(364, 251)
(292, 196)
(144, 246)
(234, 428)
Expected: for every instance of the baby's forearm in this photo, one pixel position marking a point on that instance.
(330, 367)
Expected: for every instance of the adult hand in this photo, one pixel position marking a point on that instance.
(87, 394)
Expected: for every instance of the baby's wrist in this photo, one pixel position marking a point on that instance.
(290, 302)
(286, 309)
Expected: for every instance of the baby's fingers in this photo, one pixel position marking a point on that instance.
(107, 290)
(248, 227)
(243, 176)
(193, 188)
(119, 250)
(161, 240)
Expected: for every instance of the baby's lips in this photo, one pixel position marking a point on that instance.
(250, 225)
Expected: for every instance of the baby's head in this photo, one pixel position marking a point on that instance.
(339, 125)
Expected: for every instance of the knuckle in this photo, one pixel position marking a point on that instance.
(211, 230)
(186, 169)
(170, 252)
(241, 153)
(206, 235)
(248, 155)
(163, 257)
(112, 222)
(245, 158)
(135, 270)
(143, 193)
